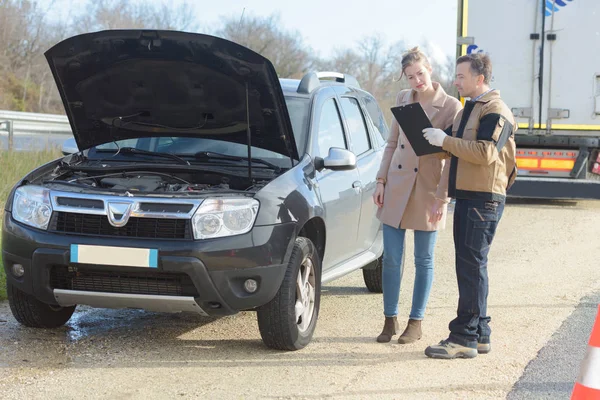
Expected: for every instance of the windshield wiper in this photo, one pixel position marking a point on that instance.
(124, 120)
(219, 156)
(133, 150)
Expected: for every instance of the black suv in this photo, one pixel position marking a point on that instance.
(202, 183)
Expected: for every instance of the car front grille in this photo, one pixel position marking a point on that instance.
(98, 225)
(125, 282)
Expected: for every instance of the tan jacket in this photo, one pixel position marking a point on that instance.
(483, 163)
(412, 181)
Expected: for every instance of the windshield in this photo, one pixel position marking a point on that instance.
(186, 147)
(298, 108)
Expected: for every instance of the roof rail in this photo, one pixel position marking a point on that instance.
(311, 80)
(339, 77)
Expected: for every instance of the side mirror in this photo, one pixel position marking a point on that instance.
(69, 147)
(338, 160)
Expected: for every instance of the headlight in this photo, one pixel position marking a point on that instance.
(224, 217)
(31, 206)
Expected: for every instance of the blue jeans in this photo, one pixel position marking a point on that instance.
(475, 223)
(393, 250)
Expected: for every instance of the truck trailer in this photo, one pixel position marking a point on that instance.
(546, 65)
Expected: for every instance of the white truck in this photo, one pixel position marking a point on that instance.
(546, 65)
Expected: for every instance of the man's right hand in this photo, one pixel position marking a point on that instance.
(378, 195)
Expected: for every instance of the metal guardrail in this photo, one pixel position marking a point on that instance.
(30, 127)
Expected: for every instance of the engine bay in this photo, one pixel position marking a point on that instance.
(154, 182)
(145, 183)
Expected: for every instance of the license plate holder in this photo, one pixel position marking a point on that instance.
(112, 255)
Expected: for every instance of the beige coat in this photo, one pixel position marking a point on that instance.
(411, 181)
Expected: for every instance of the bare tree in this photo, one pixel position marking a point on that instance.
(285, 49)
(374, 62)
(346, 61)
(443, 70)
(25, 34)
(26, 83)
(125, 14)
(447, 73)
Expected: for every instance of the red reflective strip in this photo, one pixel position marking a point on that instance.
(595, 337)
(581, 392)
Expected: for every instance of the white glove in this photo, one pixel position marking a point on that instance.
(434, 136)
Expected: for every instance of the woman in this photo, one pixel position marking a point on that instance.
(411, 194)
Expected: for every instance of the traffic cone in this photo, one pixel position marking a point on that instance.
(587, 386)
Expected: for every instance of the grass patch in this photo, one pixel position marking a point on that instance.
(14, 165)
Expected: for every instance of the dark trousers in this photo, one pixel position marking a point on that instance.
(475, 223)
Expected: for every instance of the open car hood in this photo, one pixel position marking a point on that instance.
(125, 84)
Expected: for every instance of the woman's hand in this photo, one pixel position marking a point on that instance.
(378, 195)
(437, 211)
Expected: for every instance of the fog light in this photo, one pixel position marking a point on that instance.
(250, 285)
(18, 270)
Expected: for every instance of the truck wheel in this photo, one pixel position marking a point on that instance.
(288, 321)
(31, 312)
(372, 276)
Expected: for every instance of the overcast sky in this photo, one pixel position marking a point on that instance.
(325, 25)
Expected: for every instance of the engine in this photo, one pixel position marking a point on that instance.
(152, 182)
(156, 184)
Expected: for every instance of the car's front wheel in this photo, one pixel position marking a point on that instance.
(288, 321)
(31, 312)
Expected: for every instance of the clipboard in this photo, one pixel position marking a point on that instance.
(413, 119)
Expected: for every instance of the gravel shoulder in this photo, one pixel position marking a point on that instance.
(543, 262)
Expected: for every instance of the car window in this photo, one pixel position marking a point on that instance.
(331, 133)
(356, 125)
(376, 115)
(298, 110)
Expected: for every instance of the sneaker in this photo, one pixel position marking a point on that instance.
(484, 348)
(449, 350)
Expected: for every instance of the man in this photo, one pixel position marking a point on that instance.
(482, 168)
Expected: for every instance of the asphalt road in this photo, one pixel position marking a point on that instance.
(552, 373)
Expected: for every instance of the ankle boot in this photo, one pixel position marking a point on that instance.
(390, 328)
(412, 333)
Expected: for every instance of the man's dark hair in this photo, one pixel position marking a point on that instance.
(480, 65)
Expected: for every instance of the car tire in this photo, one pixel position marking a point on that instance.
(372, 275)
(288, 321)
(31, 312)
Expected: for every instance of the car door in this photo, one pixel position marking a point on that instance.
(338, 190)
(368, 152)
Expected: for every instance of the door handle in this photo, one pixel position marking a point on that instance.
(357, 184)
